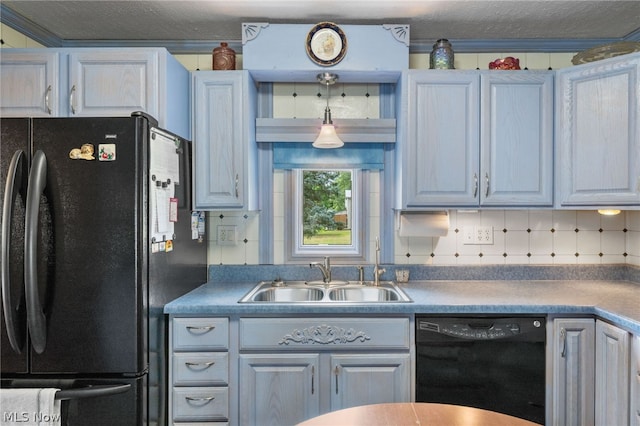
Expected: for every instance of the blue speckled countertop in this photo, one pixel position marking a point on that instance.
(615, 300)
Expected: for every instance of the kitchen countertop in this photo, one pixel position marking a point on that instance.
(614, 300)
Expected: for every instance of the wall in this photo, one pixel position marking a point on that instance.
(12, 38)
(520, 236)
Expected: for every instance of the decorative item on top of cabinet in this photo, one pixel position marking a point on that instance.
(224, 57)
(441, 56)
(508, 63)
(478, 138)
(106, 82)
(598, 134)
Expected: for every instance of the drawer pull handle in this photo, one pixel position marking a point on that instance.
(313, 376)
(200, 329)
(336, 372)
(203, 400)
(199, 365)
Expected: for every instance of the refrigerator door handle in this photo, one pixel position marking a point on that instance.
(18, 164)
(92, 391)
(35, 317)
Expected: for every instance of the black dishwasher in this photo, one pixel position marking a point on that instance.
(491, 362)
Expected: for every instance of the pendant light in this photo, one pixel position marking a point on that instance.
(327, 137)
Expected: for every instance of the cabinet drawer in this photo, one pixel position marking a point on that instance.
(200, 334)
(318, 333)
(201, 369)
(200, 404)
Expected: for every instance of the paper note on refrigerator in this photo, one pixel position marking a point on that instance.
(161, 195)
(164, 161)
(164, 174)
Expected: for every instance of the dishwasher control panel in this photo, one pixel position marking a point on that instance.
(479, 328)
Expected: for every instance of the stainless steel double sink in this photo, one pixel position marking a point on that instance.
(326, 293)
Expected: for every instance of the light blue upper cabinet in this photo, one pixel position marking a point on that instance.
(106, 82)
(225, 152)
(478, 139)
(598, 133)
(441, 157)
(516, 138)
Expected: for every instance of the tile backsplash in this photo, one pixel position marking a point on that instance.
(525, 237)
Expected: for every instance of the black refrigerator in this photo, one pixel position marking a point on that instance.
(97, 235)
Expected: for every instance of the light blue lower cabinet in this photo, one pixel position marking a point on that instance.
(612, 375)
(293, 369)
(278, 388)
(572, 354)
(634, 372)
(199, 371)
(369, 379)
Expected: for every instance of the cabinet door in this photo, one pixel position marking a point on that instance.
(369, 379)
(278, 389)
(219, 139)
(598, 133)
(612, 375)
(634, 409)
(29, 84)
(113, 84)
(573, 372)
(440, 163)
(516, 139)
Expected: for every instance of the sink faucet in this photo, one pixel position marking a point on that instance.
(377, 270)
(324, 268)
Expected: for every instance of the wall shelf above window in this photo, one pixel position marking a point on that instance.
(306, 130)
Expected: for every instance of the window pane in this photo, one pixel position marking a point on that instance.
(326, 208)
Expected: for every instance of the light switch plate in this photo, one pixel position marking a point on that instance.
(227, 235)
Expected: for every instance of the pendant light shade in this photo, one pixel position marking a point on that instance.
(327, 137)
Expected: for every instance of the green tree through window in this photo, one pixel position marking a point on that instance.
(327, 207)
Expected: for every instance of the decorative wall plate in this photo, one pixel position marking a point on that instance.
(326, 44)
(606, 51)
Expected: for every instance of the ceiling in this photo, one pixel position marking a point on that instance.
(197, 26)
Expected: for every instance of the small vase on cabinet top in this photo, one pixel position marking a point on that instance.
(441, 56)
(224, 57)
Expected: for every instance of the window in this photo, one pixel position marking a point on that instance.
(324, 214)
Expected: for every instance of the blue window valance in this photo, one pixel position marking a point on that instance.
(365, 156)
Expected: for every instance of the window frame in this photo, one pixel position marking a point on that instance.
(296, 251)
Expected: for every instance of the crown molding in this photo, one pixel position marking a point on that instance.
(48, 39)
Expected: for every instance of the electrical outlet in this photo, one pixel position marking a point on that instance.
(484, 234)
(227, 235)
(477, 235)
